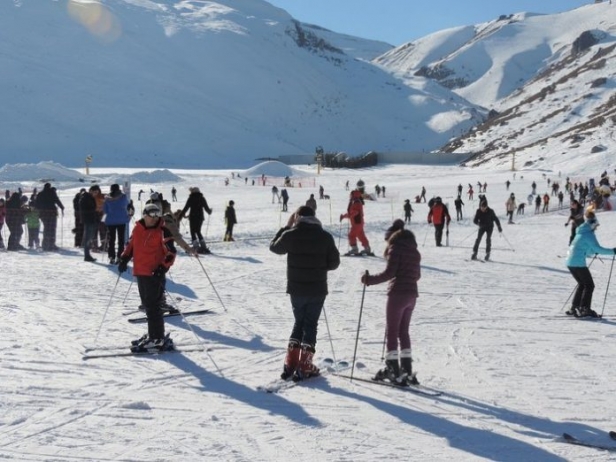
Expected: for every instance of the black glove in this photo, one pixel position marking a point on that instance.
(160, 271)
(567, 224)
(123, 265)
(614, 250)
(500, 230)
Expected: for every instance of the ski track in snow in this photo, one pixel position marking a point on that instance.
(515, 372)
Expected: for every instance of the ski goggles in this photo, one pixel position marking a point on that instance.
(152, 213)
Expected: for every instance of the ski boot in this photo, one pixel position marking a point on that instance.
(585, 312)
(305, 368)
(487, 257)
(291, 361)
(474, 256)
(573, 311)
(354, 251)
(367, 251)
(153, 345)
(391, 371)
(406, 363)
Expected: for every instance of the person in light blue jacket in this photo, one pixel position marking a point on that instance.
(116, 218)
(584, 245)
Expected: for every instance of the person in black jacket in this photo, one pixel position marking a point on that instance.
(46, 202)
(485, 219)
(196, 203)
(230, 220)
(311, 253)
(89, 220)
(576, 218)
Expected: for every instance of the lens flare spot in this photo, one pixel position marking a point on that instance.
(96, 18)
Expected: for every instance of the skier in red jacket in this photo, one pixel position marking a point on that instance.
(439, 216)
(152, 250)
(355, 214)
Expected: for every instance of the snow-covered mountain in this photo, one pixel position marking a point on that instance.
(548, 81)
(199, 84)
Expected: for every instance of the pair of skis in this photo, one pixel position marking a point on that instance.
(143, 319)
(604, 447)
(411, 388)
(327, 366)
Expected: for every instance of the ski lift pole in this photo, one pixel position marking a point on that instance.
(608, 286)
(361, 309)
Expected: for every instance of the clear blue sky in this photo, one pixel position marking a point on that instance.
(399, 21)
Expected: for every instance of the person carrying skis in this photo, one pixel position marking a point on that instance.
(439, 216)
(151, 248)
(311, 253)
(197, 204)
(584, 245)
(485, 219)
(355, 214)
(403, 270)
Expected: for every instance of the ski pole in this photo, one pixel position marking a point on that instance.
(331, 342)
(339, 234)
(507, 241)
(384, 341)
(107, 309)
(472, 233)
(426, 236)
(211, 283)
(207, 226)
(608, 286)
(199, 339)
(129, 287)
(361, 309)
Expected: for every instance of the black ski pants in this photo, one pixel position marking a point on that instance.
(306, 311)
(583, 293)
(151, 292)
(488, 233)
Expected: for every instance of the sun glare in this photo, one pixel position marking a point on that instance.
(96, 18)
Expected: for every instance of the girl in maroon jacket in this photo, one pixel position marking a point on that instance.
(402, 271)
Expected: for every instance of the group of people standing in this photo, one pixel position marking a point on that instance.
(41, 208)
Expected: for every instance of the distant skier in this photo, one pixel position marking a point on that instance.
(355, 214)
(439, 216)
(485, 219)
(230, 221)
(408, 209)
(511, 207)
(458, 204)
(576, 218)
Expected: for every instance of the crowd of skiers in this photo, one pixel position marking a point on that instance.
(311, 252)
